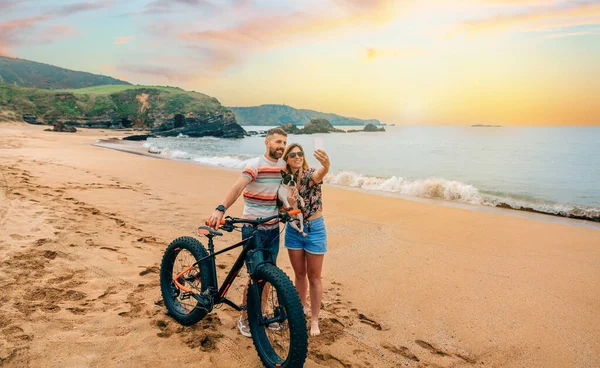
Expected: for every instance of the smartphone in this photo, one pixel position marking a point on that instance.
(318, 143)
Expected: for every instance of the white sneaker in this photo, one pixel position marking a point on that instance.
(244, 327)
(275, 326)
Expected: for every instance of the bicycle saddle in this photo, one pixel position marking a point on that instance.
(205, 230)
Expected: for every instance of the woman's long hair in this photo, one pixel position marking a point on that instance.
(286, 153)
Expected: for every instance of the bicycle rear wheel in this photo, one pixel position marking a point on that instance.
(277, 320)
(182, 253)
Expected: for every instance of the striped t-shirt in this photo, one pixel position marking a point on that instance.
(260, 196)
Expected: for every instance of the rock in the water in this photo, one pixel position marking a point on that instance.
(320, 126)
(368, 128)
(373, 128)
(139, 137)
(291, 128)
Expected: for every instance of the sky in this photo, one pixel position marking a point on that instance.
(429, 62)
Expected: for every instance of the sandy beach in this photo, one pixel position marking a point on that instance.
(406, 284)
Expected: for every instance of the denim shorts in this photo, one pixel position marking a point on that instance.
(315, 243)
(267, 238)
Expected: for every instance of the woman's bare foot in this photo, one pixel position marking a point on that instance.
(314, 328)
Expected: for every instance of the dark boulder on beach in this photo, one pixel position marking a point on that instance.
(59, 126)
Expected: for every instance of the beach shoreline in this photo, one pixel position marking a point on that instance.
(406, 283)
(138, 149)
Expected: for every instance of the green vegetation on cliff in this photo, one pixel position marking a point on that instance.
(138, 105)
(27, 73)
(282, 114)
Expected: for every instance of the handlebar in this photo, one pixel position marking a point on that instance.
(230, 221)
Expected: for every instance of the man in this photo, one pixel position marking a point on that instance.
(259, 183)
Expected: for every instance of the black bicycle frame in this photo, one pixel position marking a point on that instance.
(251, 253)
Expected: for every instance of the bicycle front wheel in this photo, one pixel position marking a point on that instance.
(277, 319)
(179, 259)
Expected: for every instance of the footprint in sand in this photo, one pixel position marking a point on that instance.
(42, 241)
(147, 239)
(329, 360)
(366, 320)
(431, 348)
(151, 269)
(17, 236)
(203, 335)
(109, 248)
(402, 350)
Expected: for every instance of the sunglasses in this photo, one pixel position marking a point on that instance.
(294, 154)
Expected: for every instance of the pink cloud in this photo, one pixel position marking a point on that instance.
(169, 6)
(56, 32)
(12, 32)
(226, 47)
(123, 40)
(31, 30)
(82, 7)
(155, 71)
(5, 53)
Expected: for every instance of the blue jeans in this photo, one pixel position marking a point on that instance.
(268, 239)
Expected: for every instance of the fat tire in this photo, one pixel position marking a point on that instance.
(166, 278)
(289, 299)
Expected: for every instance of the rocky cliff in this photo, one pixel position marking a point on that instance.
(165, 110)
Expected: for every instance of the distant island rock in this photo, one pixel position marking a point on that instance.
(368, 128)
(314, 126)
(291, 128)
(485, 126)
(276, 115)
(320, 126)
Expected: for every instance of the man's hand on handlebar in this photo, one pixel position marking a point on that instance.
(215, 219)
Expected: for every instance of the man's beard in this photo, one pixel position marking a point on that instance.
(275, 153)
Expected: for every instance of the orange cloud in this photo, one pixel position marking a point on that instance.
(373, 53)
(537, 19)
(270, 30)
(122, 40)
(573, 34)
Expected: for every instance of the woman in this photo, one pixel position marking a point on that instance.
(306, 254)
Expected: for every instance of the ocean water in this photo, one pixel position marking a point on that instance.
(554, 170)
